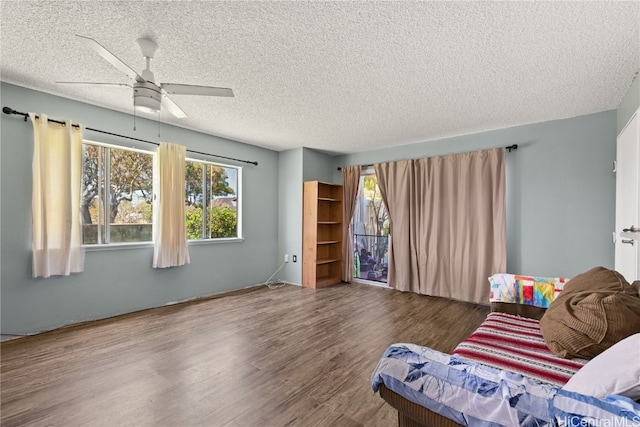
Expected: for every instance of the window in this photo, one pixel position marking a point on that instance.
(117, 191)
(117, 197)
(371, 231)
(212, 202)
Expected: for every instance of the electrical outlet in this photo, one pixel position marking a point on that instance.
(295, 258)
(286, 258)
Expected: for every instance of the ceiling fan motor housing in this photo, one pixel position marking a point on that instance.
(147, 97)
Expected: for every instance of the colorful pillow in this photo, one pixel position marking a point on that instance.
(529, 290)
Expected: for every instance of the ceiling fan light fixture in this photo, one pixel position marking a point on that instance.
(147, 97)
(146, 109)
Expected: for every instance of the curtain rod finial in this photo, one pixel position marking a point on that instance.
(8, 110)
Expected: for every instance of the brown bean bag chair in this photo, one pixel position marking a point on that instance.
(595, 310)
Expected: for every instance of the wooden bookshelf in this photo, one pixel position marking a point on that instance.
(322, 234)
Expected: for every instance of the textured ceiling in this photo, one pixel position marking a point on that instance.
(341, 77)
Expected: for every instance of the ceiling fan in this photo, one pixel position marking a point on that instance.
(149, 96)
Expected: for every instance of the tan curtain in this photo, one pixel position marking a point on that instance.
(447, 223)
(56, 240)
(350, 181)
(169, 224)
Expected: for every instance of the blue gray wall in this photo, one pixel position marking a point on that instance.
(290, 214)
(317, 166)
(560, 189)
(295, 167)
(119, 281)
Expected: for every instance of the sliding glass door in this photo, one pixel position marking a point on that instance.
(370, 231)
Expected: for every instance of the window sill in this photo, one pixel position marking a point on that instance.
(117, 246)
(215, 241)
(143, 245)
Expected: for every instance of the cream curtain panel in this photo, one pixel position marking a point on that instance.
(350, 181)
(170, 227)
(447, 223)
(56, 240)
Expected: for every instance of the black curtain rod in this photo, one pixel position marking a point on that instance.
(8, 110)
(509, 148)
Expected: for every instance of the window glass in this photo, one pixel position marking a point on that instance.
(117, 194)
(211, 200)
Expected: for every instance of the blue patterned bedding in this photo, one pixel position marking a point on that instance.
(476, 395)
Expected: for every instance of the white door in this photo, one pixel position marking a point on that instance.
(627, 245)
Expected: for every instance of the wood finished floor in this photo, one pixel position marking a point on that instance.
(282, 357)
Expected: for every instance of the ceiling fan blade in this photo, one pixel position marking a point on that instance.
(172, 107)
(95, 84)
(180, 89)
(111, 58)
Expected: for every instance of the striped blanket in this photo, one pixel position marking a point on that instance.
(515, 344)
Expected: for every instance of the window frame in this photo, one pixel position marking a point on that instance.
(118, 245)
(149, 244)
(365, 172)
(239, 236)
